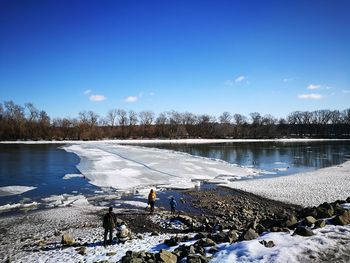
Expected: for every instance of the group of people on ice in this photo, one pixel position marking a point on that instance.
(123, 233)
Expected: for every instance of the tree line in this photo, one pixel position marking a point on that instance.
(29, 123)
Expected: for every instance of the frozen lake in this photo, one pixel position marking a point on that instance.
(48, 169)
(277, 158)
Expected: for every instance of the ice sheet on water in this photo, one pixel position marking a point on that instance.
(17, 205)
(70, 176)
(15, 190)
(126, 167)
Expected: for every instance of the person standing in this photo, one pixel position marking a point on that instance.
(151, 200)
(173, 205)
(109, 221)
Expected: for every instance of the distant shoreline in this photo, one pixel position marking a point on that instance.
(172, 141)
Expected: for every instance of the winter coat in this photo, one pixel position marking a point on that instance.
(152, 197)
(109, 220)
(173, 203)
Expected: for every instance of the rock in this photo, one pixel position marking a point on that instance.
(166, 256)
(57, 232)
(268, 223)
(197, 259)
(222, 237)
(206, 242)
(67, 240)
(173, 241)
(309, 220)
(82, 251)
(154, 233)
(348, 199)
(260, 229)
(325, 211)
(110, 254)
(268, 244)
(309, 211)
(291, 222)
(201, 235)
(185, 219)
(249, 234)
(303, 231)
(232, 236)
(320, 223)
(343, 219)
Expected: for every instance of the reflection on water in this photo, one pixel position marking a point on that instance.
(275, 157)
(42, 166)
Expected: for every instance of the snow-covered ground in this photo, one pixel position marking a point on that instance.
(126, 167)
(330, 240)
(306, 189)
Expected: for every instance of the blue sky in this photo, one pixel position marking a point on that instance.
(199, 56)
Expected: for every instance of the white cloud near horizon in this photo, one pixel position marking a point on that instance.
(97, 98)
(131, 99)
(311, 96)
(313, 87)
(240, 79)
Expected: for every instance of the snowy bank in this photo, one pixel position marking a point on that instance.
(306, 189)
(15, 190)
(125, 167)
(288, 248)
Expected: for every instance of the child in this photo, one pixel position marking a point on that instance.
(173, 204)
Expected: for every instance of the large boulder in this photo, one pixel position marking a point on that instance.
(222, 237)
(166, 256)
(290, 222)
(343, 219)
(303, 231)
(249, 234)
(309, 211)
(320, 223)
(197, 259)
(206, 242)
(325, 211)
(67, 240)
(309, 220)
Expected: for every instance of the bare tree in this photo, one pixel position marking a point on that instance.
(225, 118)
(122, 117)
(111, 117)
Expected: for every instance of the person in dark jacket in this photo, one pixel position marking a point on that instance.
(173, 205)
(109, 221)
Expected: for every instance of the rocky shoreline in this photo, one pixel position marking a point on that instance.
(222, 216)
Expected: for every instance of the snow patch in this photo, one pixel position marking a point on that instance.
(287, 248)
(306, 189)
